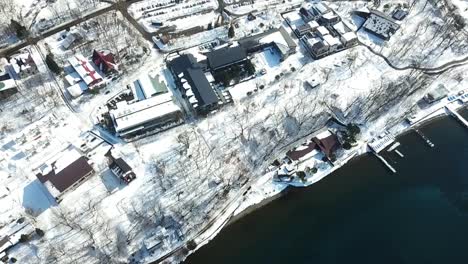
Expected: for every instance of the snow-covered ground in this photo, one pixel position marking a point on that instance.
(240, 7)
(428, 37)
(154, 15)
(193, 178)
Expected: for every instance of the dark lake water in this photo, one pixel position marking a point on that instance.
(363, 213)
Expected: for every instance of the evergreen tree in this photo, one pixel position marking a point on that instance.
(20, 30)
(52, 64)
(231, 32)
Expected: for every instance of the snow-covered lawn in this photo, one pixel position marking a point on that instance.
(192, 178)
(182, 15)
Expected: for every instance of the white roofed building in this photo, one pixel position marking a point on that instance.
(349, 39)
(155, 113)
(322, 31)
(380, 25)
(333, 42)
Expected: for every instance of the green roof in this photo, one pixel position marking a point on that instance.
(158, 85)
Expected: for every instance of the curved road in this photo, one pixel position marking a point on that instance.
(428, 70)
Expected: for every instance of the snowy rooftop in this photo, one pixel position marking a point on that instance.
(86, 71)
(323, 30)
(380, 24)
(332, 41)
(348, 36)
(130, 115)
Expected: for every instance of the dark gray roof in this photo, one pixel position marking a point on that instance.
(225, 56)
(122, 165)
(183, 62)
(68, 175)
(195, 76)
(202, 88)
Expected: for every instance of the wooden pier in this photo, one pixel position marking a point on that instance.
(385, 162)
(457, 116)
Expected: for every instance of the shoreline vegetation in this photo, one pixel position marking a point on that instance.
(427, 119)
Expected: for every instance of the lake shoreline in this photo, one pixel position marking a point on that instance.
(430, 118)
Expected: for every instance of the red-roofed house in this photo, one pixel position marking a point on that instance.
(327, 142)
(104, 60)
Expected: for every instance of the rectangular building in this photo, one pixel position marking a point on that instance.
(155, 113)
(381, 25)
(225, 57)
(64, 172)
(85, 70)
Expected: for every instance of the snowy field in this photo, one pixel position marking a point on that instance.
(192, 178)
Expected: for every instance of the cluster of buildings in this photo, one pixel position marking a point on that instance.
(16, 67)
(66, 169)
(320, 29)
(201, 85)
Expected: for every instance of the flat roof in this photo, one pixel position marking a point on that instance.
(380, 24)
(125, 109)
(349, 36)
(139, 113)
(7, 84)
(323, 30)
(320, 7)
(341, 28)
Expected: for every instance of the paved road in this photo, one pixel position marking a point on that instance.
(428, 70)
(33, 40)
(121, 6)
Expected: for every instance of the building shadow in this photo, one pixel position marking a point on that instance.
(111, 182)
(36, 198)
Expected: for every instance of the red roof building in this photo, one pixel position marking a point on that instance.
(327, 142)
(104, 60)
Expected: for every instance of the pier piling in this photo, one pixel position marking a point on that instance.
(428, 142)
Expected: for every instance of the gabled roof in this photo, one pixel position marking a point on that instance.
(327, 142)
(64, 170)
(182, 62)
(68, 175)
(186, 67)
(202, 88)
(225, 56)
(302, 151)
(122, 165)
